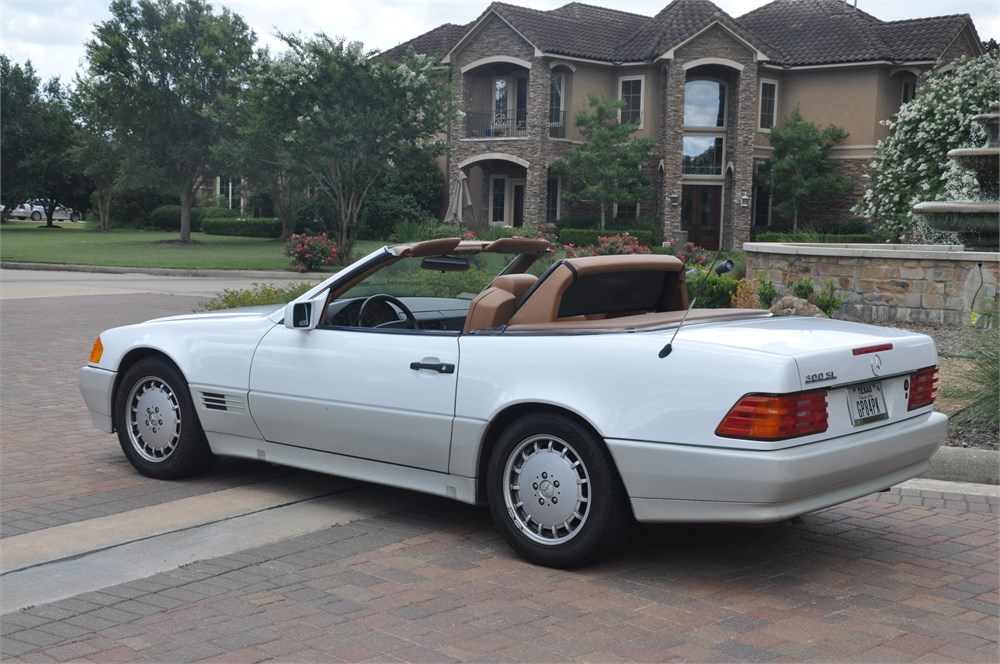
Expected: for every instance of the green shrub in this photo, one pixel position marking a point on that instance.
(713, 291)
(168, 218)
(410, 230)
(582, 237)
(428, 283)
(242, 227)
(766, 290)
(258, 294)
(218, 212)
(527, 229)
(828, 299)
(802, 287)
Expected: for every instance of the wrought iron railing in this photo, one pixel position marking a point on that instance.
(480, 124)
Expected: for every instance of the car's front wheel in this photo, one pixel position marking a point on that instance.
(75, 216)
(36, 216)
(158, 428)
(554, 492)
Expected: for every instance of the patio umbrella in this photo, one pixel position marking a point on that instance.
(459, 200)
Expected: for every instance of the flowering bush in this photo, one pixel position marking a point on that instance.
(309, 252)
(608, 245)
(689, 253)
(913, 164)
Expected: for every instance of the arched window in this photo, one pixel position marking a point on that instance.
(704, 103)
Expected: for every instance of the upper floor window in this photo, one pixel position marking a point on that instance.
(631, 92)
(556, 100)
(703, 155)
(768, 103)
(909, 88)
(704, 103)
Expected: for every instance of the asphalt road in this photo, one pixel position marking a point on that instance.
(252, 562)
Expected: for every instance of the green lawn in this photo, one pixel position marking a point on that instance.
(78, 244)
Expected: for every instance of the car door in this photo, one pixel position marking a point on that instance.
(385, 395)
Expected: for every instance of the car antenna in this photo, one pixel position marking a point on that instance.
(722, 269)
(666, 350)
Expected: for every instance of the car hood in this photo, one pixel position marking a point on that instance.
(255, 312)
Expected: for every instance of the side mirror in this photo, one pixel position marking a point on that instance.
(305, 314)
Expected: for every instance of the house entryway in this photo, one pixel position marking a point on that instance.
(701, 214)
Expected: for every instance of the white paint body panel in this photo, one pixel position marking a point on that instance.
(347, 402)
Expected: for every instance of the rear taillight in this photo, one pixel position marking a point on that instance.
(923, 388)
(776, 417)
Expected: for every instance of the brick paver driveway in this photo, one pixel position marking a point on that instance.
(909, 575)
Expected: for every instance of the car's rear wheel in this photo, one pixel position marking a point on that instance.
(36, 216)
(158, 428)
(554, 492)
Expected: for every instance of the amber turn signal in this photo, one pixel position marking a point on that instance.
(96, 351)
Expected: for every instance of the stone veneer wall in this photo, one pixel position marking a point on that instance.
(886, 283)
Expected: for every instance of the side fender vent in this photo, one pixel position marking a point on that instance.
(224, 402)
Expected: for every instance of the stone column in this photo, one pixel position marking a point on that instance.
(671, 144)
(741, 154)
(536, 152)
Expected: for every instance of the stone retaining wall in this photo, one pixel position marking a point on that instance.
(883, 283)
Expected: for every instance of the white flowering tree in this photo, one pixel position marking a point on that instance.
(913, 164)
(329, 110)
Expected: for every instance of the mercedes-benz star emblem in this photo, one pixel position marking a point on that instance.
(876, 365)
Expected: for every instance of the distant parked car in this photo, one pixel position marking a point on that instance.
(35, 210)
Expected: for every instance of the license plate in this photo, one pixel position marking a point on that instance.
(867, 403)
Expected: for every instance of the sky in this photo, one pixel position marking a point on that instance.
(52, 33)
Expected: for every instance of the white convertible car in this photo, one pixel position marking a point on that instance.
(572, 397)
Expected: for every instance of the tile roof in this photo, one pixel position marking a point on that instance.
(810, 32)
(789, 32)
(437, 42)
(575, 29)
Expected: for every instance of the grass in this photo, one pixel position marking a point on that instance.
(79, 244)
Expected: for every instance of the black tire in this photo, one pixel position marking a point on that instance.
(555, 493)
(172, 445)
(36, 216)
(75, 216)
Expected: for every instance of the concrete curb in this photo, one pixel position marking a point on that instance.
(170, 272)
(962, 464)
(950, 464)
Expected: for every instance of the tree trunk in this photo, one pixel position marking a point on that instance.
(103, 207)
(187, 196)
(602, 216)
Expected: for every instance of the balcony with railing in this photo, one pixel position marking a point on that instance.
(514, 124)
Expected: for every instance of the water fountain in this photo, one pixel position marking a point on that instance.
(977, 223)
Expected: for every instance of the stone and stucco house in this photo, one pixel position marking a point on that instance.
(706, 86)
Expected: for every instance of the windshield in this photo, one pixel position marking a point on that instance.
(463, 276)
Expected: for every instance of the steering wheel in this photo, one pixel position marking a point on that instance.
(411, 320)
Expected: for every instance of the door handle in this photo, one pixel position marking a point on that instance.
(440, 367)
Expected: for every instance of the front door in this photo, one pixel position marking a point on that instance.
(701, 214)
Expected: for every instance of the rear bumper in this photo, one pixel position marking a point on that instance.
(97, 386)
(669, 483)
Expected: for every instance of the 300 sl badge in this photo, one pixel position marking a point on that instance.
(820, 377)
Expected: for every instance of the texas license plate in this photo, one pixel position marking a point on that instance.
(867, 403)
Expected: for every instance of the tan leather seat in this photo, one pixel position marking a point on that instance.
(495, 305)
